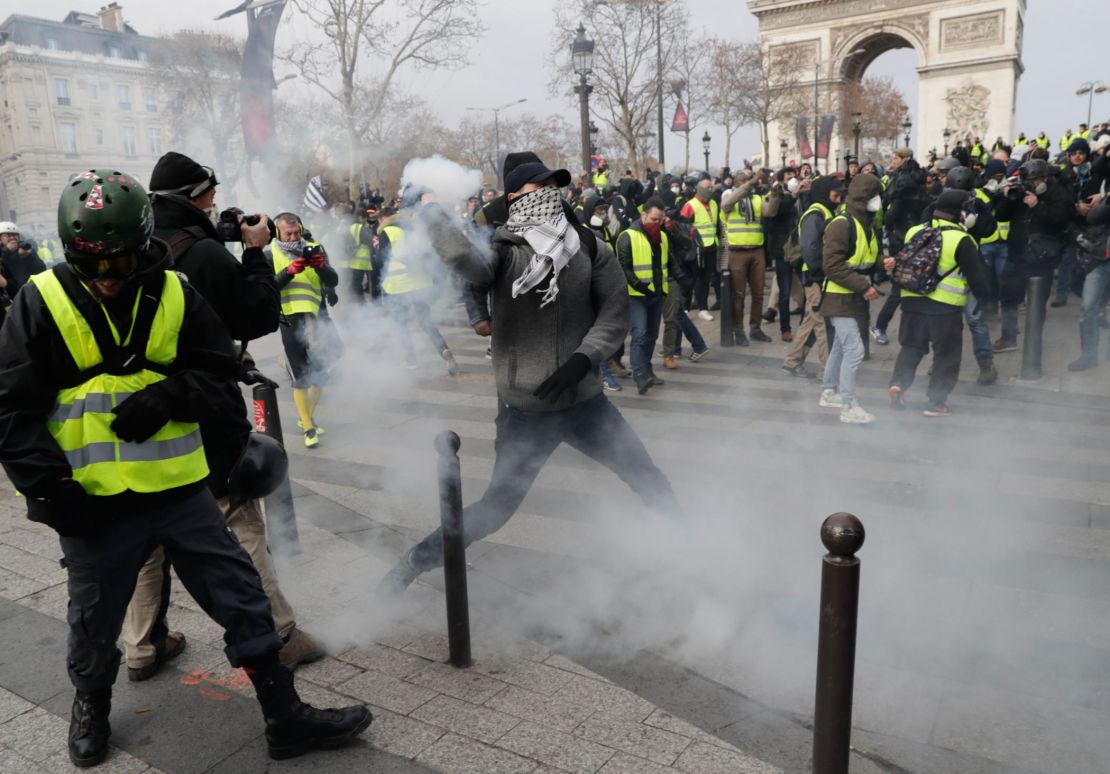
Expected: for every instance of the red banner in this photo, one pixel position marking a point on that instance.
(680, 122)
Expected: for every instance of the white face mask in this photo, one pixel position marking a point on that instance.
(676, 189)
(970, 219)
(992, 185)
(597, 221)
(875, 203)
(1040, 188)
(792, 184)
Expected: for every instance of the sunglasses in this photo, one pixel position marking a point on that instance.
(104, 267)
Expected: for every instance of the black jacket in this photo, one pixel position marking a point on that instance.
(243, 295)
(1032, 228)
(19, 268)
(674, 263)
(35, 364)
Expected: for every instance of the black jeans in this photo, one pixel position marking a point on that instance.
(524, 442)
(946, 334)
(211, 564)
(890, 306)
(706, 276)
(785, 275)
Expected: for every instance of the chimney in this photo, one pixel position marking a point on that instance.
(111, 17)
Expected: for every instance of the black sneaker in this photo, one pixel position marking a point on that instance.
(89, 729)
(758, 335)
(1082, 364)
(770, 315)
(307, 728)
(644, 383)
(1059, 301)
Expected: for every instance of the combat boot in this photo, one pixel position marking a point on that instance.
(293, 727)
(89, 729)
(988, 374)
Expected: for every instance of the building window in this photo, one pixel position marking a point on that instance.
(99, 136)
(61, 90)
(142, 56)
(155, 137)
(114, 52)
(129, 142)
(150, 97)
(52, 44)
(69, 137)
(94, 91)
(123, 92)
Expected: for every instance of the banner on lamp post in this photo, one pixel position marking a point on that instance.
(681, 122)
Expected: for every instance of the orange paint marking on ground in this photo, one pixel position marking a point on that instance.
(212, 693)
(234, 679)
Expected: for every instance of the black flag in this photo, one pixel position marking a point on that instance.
(256, 86)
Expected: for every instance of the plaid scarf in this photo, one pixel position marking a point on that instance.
(539, 218)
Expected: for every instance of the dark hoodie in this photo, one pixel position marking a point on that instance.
(811, 239)
(35, 364)
(838, 248)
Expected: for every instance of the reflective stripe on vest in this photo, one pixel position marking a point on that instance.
(642, 259)
(81, 418)
(399, 277)
(815, 208)
(361, 259)
(303, 295)
(862, 260)
(742, 232)
(705, 220)
(952, 289)
(984, 197)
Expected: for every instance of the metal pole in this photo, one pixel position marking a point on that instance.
(726, 308)
(584, 116)
(497, 146)
(816, 114)
(1034, 327)
(281, 518)
(1090, 101)
(842, 534)
(707, 161)
(659, 79)
(454, 548)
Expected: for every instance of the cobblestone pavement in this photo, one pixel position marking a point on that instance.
(983, 629)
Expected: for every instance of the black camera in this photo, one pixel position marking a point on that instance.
(228, 225)
(313, 251)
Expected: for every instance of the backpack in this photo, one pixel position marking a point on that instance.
(916, 267)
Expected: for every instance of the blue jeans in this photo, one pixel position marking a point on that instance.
(845, 355)
(980, 335)
(645, 314)
(994, 256)
(686, 326)
(1094, 290)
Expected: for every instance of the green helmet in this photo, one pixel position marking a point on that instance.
(103, 214)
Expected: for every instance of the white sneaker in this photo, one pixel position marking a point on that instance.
(704, 315)
(830, 399)
(853, 414)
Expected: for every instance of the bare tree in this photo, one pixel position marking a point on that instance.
(424, 34)
(881, 105)
(694, 82)
(200, 73)
(764, 82)
(625, 78)
(722, 105)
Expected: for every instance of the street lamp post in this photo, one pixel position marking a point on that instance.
(705, 140)
(906, 126)
(857, 128)
(497, 132)
(659, 78)
(816, 99)
(1090, 88)
(783, 147)
(947, 137)
(582, 57)
(593, 138)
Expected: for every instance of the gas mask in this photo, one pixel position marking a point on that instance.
(875, 203)
(1040, 188)
(792, 185)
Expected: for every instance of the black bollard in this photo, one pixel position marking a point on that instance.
(454, 549)
(1034, 327)
(842, 534)
(726, 309)
(281, 519)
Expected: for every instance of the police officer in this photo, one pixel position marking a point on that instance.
(100, 433)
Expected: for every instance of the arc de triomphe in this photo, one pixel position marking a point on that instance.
(968, 59)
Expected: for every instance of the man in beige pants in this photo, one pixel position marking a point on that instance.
(742, 212)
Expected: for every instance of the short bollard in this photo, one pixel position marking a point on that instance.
(454, 549)
(726, 309)
(283, 538)
(842, 534)
(1034, 327)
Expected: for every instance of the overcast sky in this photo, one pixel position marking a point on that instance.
(510, 62)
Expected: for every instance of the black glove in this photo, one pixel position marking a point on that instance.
(69, 510)
(566, 377)
(644, 288)
(251, 375)
(142, 415)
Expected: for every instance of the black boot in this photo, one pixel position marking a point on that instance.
(293, 727)
(643, 383)
(89, 730)
(655, 380)
(988, 374)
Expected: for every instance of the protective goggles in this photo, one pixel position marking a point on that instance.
(93, 267)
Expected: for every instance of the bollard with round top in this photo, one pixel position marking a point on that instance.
(281, 518)
(843, 536)
(447, 444)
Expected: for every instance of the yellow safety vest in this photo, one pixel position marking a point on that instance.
(705, 220)
(1002, 231)
(1085, 134)
(1042, 142)
(742, 232)
(862, 260)
(399, 276)
(303, 295)
(82, 415)
(952, 289)
(45, 254)
(815, 208)
(600, 180)
(642, 258)
(1065, 141)
(361, 260)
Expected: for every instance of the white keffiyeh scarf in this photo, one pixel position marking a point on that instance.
(539, 218)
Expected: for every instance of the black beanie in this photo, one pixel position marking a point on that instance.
(177, 173)
(949, 203)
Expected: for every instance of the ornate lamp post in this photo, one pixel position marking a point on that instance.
(947, 137)
(857, 128)
(582, 57)
(593, 138)
(906, 126)
(782, 149)
(705, 140)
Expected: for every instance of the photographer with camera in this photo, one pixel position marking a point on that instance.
(1039, 210)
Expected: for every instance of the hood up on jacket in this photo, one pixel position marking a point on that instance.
(862, 188)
